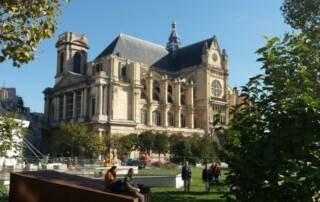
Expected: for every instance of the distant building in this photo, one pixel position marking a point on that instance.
(7, 93)
(134, 85)
(10, 102)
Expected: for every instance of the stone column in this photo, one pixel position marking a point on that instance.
(99, 99)
(85, 98)
(135, 94)
(105, 99)
(46, 108)
(149, 98)
(82, 101)
(74, 105)
(190, 103)
(110, 100)
(164, 99)
(56, 109)
(177, 103)
(64, 107)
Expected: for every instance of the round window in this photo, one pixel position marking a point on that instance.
(216, 88)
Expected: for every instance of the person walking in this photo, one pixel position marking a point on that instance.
(130, 188)
(206, 178)
(216, 172)
(186, 176)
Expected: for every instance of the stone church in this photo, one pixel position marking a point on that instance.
(135, 85)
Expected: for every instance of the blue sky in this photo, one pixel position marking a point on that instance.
(238, 24)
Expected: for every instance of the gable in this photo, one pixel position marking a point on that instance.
(70, 79)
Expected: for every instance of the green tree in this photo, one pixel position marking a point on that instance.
(125, 144)
(302, 14)
(274, 139)
(11, 133)
(23, 25)
(73, 139)
(161, 143)
(273, 144)
(180, 148)
(145, 141)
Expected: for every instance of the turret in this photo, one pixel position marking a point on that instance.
(174, 39)
(72, 52)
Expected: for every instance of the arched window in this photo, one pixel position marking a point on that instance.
(169, 94)
(156, 118)
(77, 63)
(123, 72)
(61, 63)
(156, 91)
(182, 94)
(143, 116)
(143, 90)
(183, 121)
(170, 119)
(216, 88)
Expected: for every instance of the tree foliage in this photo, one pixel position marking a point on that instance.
(302, 14)
(11, 134)
(195, 148)
(273, 148)
(145, 141)
(23, 25)
(73, 139)
(125, 144)
(161, 143)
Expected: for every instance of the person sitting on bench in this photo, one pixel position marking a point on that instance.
(130, 188)
(111, 181)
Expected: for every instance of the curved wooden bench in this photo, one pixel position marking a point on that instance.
(52, 186)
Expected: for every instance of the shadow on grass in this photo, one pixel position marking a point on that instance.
(179, 196)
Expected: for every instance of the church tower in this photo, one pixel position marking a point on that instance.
(72, 52)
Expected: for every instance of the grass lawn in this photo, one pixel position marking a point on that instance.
(197, 193)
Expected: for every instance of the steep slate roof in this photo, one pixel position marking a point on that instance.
(155, 55)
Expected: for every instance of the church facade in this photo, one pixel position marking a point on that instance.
(135, 85)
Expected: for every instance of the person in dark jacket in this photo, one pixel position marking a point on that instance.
(130, 188)
(215, 168)
(206, 178)
(186, 176)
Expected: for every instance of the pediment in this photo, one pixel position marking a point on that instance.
(70, 79)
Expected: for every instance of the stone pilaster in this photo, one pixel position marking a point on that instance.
(85, 104)
(56, 109)
(74, 109)
(177, 103)
(190, 105)
(177, 117)
(110, 106)
(149, 82)
(135, 98)
(100, 99)
(46, 109)
(64, 107)
(164, 100)
(105, 99)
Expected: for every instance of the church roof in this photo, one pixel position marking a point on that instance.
(155, 55)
